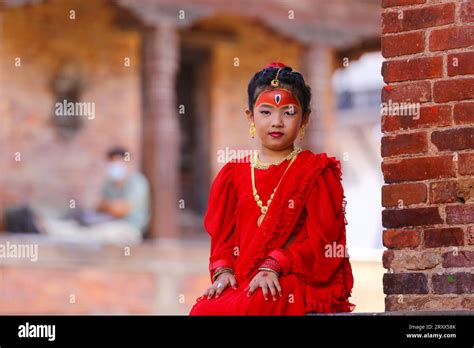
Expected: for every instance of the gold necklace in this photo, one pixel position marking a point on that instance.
(260, 165)
(264, 208)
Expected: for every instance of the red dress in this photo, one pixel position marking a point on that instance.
(309, 207)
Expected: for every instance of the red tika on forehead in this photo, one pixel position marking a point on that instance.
(277, 97)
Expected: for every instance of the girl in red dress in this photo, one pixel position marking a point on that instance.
(277, 218)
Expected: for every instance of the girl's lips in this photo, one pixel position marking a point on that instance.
(276, 134)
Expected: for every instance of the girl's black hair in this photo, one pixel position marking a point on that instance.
(288, 78)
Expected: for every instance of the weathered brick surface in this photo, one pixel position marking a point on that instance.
(412, 260)
(453, 283)
(443, 191)
(439, 116)
(412, 69)
(403, 194)
(405, 283)
(461, 63)
(391, 3)
(411, 19)
(449, 38)
(443, 237)
(429, 192)
(470, 235)
(416, 92)
(463, 113)
(467, 12)
(399, 239)
(460, 214)
(402, 44)
(404, 144)
(412, 169)
(458, 259)
(466, 164)
(393, 218)
(452, 90)
(453, 139)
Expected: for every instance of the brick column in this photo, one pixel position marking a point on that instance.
(160, 126)
(318, 68)
(428, 158)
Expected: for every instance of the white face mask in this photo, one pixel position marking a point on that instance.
(116, 171)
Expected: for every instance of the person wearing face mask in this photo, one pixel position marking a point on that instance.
(125, 195)
(123, 212)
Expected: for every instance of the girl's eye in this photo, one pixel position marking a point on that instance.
(290, 113)
(265, 112)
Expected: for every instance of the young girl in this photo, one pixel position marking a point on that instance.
(277, 218)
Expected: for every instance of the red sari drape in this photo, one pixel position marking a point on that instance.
(308, 212)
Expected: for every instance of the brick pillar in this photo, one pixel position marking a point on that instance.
(428, 158)
(318, 68)
(160, 126)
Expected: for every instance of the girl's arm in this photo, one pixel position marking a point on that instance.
(219, 220)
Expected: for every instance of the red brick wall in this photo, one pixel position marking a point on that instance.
(428, 158)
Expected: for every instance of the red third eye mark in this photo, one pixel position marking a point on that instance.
(265, 274)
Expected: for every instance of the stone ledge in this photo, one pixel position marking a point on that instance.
(398, 313)
(153, 279)
(149, 255)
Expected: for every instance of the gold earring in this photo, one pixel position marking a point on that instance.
(252, 130)
(302, 132)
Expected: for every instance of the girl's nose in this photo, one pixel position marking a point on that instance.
(277, 120)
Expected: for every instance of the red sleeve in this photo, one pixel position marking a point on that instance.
(219, 220)
(319, 248)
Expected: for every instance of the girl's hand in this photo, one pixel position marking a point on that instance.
(266, 280)
(223, 281)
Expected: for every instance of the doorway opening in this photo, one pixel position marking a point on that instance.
(193, 94)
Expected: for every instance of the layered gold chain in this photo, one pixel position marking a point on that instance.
(264, 208)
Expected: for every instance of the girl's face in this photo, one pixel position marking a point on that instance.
(278, 117)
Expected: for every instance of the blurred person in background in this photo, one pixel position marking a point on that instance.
(125, 195)
(121, 217)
